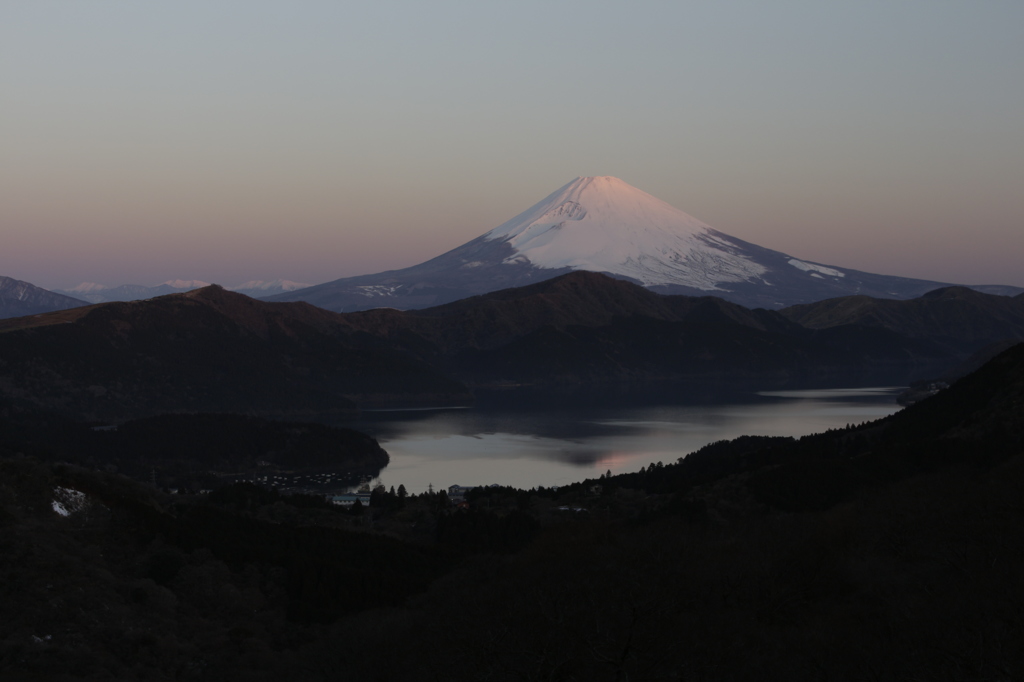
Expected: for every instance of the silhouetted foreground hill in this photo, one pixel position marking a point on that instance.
(891, 550)
(980, 421)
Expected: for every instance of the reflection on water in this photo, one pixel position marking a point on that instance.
(836, 393)
(527, 448)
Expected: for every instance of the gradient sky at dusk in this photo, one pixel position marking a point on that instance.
(311, 140)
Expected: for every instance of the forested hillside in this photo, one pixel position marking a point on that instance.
(890, 550)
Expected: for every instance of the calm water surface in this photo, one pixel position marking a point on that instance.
(527, 448)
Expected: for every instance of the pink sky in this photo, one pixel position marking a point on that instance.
(229, 141)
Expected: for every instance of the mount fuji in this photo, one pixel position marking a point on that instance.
(603, 224)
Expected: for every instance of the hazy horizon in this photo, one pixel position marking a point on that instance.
(230, 141)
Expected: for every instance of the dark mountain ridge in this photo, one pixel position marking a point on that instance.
(208, 350)
(215, 350)
(960, 318)
(580, 299)
(586, 327)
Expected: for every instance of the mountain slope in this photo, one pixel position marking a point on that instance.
(215, 350)
(958, 317)
(19, 298)
(602, 224)
(590, 329)
(578, 299)
(208, 350)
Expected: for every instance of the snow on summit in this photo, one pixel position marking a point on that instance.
(603, 224)
(606, 225)
(88, 288)
(274, 286)
(186, 284)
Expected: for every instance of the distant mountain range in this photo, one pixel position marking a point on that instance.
(259, 289)
(592, 224)
(602, 224)
(215, 350)
(99, 293)
(19, 298)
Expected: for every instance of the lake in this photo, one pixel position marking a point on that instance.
(555, 446)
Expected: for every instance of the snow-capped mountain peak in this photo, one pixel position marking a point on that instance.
(88, 288)
(275, 285)
(606, 225)
(603, 224)
(98, 293)
(186, 283)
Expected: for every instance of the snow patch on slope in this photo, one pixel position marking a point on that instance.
(372, 290)
(88, 288)
(603, 224)
(812, 268)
